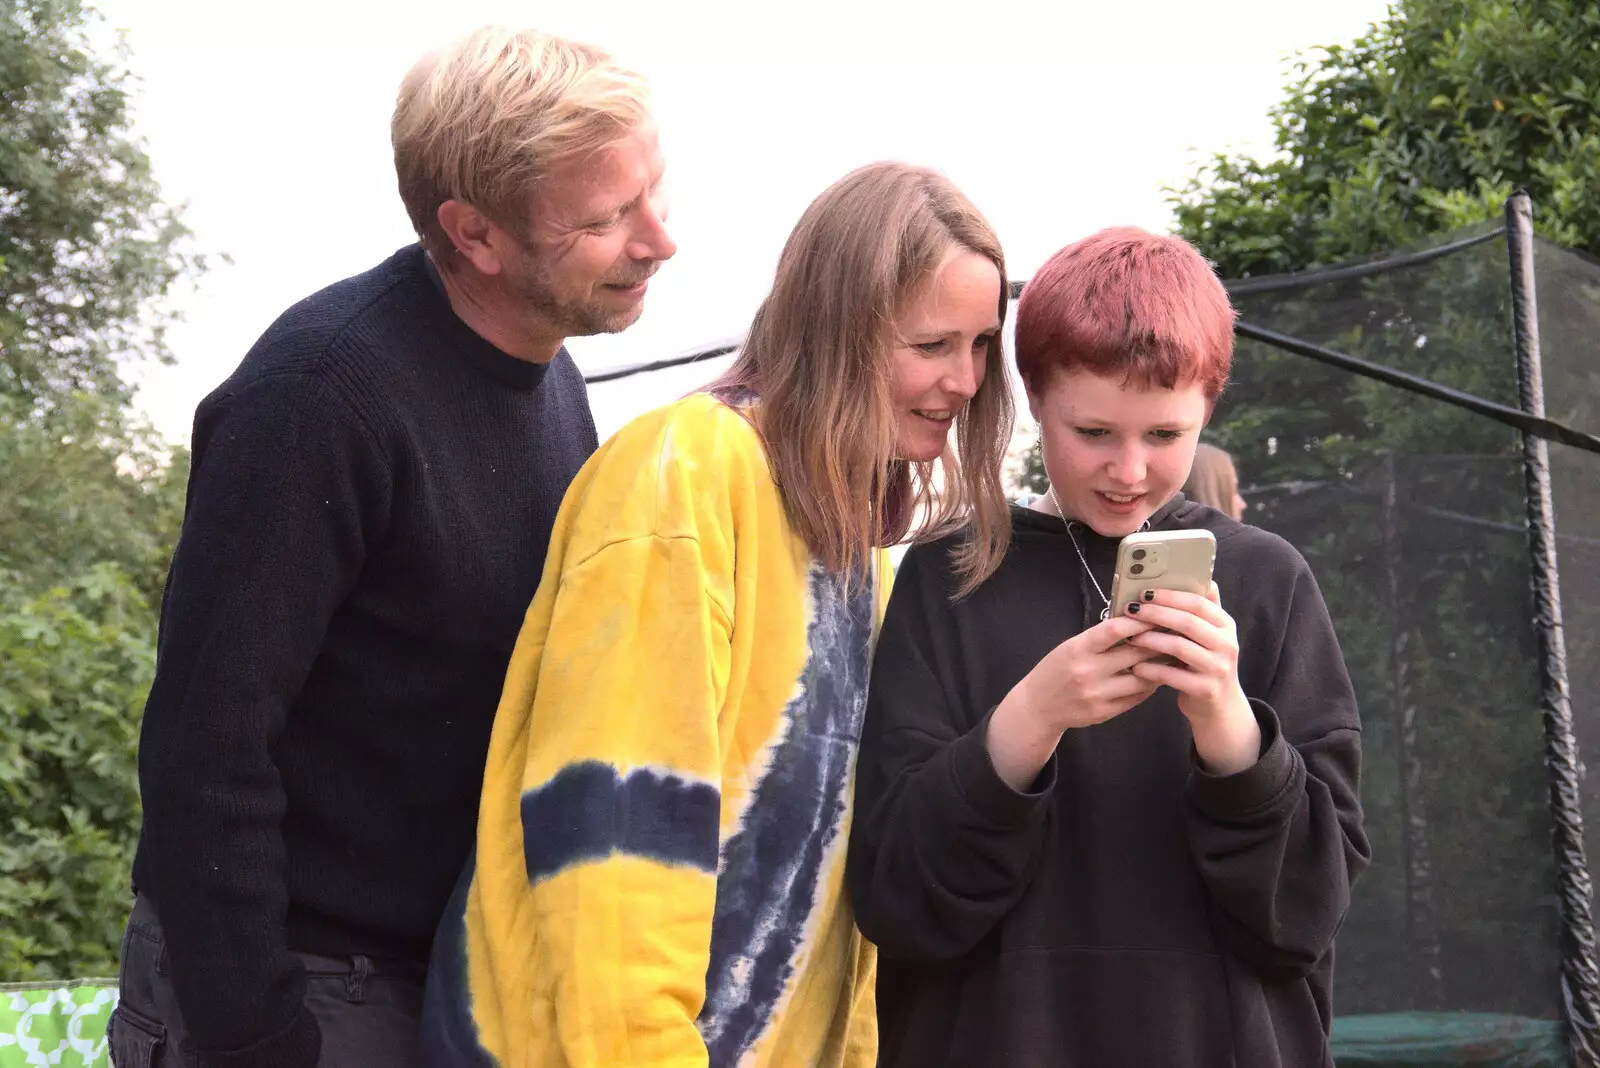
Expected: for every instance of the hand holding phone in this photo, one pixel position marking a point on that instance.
(1162, 560)
(1200, 641)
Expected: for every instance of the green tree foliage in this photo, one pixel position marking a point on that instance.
(1424, 125)
(90, 499)
(1411, 510)
(82, 489)
(86, 245)
(75, 664)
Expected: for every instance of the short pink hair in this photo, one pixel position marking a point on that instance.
(1131, 303)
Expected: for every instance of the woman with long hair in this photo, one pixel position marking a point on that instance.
(658, 876)
(1214, 481)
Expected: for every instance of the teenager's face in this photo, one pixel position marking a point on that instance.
(941, 352)
(1115, 453)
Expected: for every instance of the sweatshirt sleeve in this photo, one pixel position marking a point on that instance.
(1280, 844)
(287, 491)
(621, 801)
(941, 848)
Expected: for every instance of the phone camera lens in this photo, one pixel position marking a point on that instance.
(1137, 569)
(1138, 554)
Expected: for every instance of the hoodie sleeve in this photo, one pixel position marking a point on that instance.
(1280, 844)
(941, 848)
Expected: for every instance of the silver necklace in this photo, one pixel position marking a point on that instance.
(1105, 613)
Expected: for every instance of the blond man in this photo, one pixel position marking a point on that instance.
(370, 505)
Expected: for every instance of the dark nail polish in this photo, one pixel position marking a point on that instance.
(1133, 608)
(1149, 595)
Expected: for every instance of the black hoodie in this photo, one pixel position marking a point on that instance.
(1131, 911)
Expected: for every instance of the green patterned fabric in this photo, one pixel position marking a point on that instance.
(56, 1027)
(65, 1027)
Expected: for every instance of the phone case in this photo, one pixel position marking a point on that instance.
(1162, 560)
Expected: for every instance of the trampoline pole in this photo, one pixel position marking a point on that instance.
(1580, 978)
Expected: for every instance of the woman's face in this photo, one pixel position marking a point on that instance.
(941, 352)
(1115, 453)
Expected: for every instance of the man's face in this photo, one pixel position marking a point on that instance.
(598, 233)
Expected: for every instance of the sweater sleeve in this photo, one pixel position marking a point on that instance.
(286, 492)
(1280, 844)
(941, 849)
(621, 801)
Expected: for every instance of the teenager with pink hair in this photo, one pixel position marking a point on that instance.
(1068, 852)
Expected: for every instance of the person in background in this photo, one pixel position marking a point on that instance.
(1214, 482)
(1069, 853)
(371, 498)
(659, 873)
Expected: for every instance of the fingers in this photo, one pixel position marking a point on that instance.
(1117, 661)
(1191, 603)
(1156, 674)
(1199, 627)
(1197, 657)
(1121, 693)
(1105, 635)
(1126, 685)
(1200, 631)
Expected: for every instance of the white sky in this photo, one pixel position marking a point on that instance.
(1056, 118)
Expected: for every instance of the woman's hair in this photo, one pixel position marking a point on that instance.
(819, 356)
(1130, 303)
(1213, 480)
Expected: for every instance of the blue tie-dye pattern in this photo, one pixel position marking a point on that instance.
(447, 1036)
(770, 870)
(590, 811)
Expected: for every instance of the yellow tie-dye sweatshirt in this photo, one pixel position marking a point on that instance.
(658, 877)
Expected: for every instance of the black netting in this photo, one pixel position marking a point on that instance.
(1413, 514)
(1569, 326)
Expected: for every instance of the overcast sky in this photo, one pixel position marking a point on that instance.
(1056, 118)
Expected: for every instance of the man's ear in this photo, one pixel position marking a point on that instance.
(476, 239)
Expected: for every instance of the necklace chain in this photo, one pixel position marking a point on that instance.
(1105, 613)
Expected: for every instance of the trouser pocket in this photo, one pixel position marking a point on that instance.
(136, 1041)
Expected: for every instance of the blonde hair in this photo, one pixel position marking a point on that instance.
(1213, 480)
(485, 119)
(819, 356)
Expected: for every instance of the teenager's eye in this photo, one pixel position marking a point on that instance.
(930, 347)
(1167, 435)
(982, 342)
(1090, 432)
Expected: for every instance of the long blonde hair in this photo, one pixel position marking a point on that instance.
(819, 356)
(1213, 480)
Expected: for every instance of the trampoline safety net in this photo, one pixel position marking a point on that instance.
(1412, 512)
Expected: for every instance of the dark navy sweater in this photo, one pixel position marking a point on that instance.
(369, 507)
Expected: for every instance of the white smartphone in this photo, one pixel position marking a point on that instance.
(1162, 560)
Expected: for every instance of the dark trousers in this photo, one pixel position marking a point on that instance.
(368, 1019)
